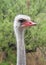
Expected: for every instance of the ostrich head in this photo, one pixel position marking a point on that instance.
(22, 21)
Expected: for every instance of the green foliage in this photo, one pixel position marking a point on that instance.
(37, 11)
(11, 56)
(34, 36)
(4, 63)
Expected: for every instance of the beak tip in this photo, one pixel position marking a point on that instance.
(33, 23)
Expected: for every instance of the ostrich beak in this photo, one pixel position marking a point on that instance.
(25, 24)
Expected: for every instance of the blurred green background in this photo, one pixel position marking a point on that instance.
(34, 36)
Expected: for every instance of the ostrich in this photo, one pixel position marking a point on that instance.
(20, 23)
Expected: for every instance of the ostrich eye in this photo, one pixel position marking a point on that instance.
(22, 20)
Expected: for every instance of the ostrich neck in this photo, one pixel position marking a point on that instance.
(21, 56)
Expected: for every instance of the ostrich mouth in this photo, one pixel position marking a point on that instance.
(26, 23)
